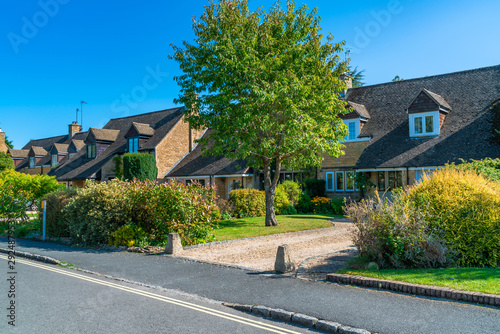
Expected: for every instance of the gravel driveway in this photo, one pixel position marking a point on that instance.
(260, 253)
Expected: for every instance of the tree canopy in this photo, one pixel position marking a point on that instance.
(267, 84)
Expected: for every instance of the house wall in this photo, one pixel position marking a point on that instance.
(173, 147)
(107, 170)
(36, 170)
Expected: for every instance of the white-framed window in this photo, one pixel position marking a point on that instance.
(55, 160)
(133, 144)
(354, 127)
(32, 162)
(340, 181)
(424, 124)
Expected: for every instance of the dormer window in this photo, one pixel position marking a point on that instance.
(133, 144)
(353, 126)
(55, 160)
(427, 113)
(354, 120)
(91, 150)
(32, 162)
(424, 124)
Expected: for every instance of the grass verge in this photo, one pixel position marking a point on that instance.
(255, 226)
(485, 280)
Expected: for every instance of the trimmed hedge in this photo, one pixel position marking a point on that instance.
(57, 224)
(248, 202)
(141, 166)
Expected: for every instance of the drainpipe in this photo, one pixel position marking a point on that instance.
(407, 176)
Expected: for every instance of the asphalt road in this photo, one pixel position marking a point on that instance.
(50, 299)
(377, 311)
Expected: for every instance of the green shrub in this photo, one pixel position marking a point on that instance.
(281, 201)
(338, 206)
(226, 208)
(489, 168)
(141, 166)
(290, 210)
(97, 211)
(464, 208)
(395, 234)
(128, 235)
(248, 202)
(56, 223)
(6, 162)
(292, 190)
(305, 204)
(189, 210)
(315, 187)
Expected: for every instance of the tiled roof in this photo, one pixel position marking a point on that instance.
(466, 131)
(38, 151)
(195, 164)
(75, 145)
(359, 109)
(18, 153)
(45, 142)
(438, 99)
(144, 129)
(105, 134)
(81, 168)
(61, 148)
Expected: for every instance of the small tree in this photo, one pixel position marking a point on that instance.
(267, 84)
(142, 166)
(6, 162)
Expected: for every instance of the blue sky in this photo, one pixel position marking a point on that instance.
(113, 54)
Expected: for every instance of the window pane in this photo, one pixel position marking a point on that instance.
(352, 131)
(136, 144)
(418, 124)
(329, 181)
(339, 181)
(392, 180)
(381, 181)
(429, 124)
(399, 179)
(130, 146)
(349, 181)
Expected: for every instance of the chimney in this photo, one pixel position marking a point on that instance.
(3, 146)
(74, 128)
(348, 82)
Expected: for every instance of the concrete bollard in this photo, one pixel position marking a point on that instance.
(174, 245)
(284, 261)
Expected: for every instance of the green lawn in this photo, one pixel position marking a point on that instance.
(485, 280)
(253, 227)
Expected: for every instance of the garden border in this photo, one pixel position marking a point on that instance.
(416, 289)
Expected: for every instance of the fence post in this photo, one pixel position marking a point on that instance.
(44, 207)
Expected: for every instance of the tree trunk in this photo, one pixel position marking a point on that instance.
(270, 189)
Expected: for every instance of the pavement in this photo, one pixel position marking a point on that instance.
(370, 309)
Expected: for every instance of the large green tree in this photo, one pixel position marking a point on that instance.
(267, 83)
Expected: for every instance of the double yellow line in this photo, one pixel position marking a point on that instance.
(220, 314)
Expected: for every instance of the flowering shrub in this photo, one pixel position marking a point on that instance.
(321, 204)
